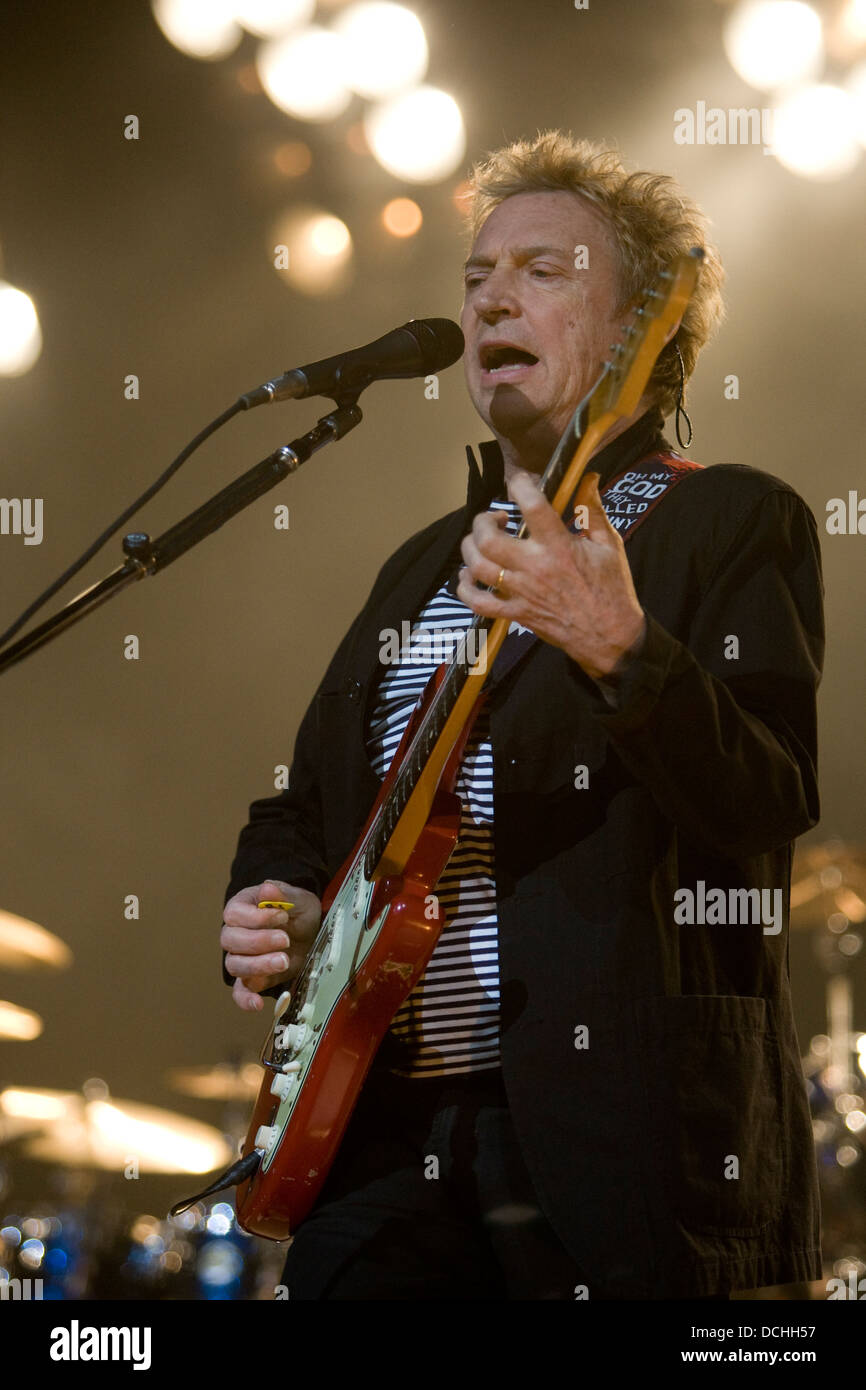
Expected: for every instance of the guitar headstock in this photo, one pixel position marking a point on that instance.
(632, 359)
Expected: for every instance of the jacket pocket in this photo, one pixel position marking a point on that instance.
(712, 1070)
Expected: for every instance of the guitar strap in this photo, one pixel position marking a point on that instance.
(628, 500)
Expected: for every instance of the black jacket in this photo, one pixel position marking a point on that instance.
(673, 1154)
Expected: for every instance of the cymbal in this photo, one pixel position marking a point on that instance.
(68, 1128)
(18, 1023)
(26, 946)
(220, 1082)
(828, 887)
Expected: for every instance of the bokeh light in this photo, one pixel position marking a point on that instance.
(402, 217)
(856, 88)
(293, 158)
(814, 132)
(304, 74)
(20, 334)
(386, 48)
(773, 43)
(418, 136)
(319, 249)
(200, 28)
(853, 20)
(268, 18)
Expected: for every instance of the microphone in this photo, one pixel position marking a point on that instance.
(418, 348)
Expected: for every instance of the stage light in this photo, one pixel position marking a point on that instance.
(32, 1253)
(386, 49)
(853, 20)
(20, 334)
(856, 88)
(402, 217)
(329, 237)
(268, 18)
(304, 74)
(293, 158)
(200, 28)
(774, 43)
(319, 250)
(417, 136)
(220, 1221)
(814, 132)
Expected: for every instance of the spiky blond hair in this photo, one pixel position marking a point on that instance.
(652, 220)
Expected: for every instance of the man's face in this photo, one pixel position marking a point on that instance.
(523, 291)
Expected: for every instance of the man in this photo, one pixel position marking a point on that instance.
(595, 1091)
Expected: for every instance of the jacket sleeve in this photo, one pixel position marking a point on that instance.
(284, 837)
(723, 730)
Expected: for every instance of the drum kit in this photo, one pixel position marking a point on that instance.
(828, 900)
(80, 1246)
(81, 1243)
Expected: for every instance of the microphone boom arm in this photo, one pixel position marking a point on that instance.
(146, 556)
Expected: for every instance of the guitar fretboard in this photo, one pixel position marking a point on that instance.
(429, 733)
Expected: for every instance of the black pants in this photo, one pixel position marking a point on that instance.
(429, 1198)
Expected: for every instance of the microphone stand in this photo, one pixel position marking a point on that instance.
(148, 556)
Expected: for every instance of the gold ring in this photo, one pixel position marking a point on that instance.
(498, 584)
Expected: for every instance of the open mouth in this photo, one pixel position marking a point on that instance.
(502, 359)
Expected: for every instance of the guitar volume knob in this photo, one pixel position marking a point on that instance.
(293, 1035)
(282, 1084)
(266, 1137)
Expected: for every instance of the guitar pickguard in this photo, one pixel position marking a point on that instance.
(344, 941)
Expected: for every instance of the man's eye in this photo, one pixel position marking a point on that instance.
(472, 280)
(542, 271)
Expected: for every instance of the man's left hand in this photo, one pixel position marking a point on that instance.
(574, 591)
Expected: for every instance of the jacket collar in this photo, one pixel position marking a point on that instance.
(640, 439)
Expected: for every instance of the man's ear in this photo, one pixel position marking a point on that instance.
(672, 332)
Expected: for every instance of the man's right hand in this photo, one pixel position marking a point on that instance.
(266, 946)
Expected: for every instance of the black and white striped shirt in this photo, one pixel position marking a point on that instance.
(450, 1022)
